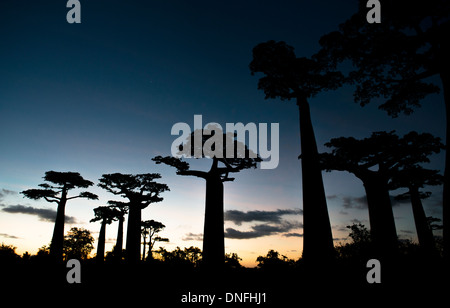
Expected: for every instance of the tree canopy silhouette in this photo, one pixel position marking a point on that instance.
(61, 183)
(106, 215)
(287, 77)
(141, 190)
(78, 244)
(394, 60)
(414, 178)
(213, 235)
(150, 228)
(375, 160)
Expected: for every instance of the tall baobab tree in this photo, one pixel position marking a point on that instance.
(221, 167)
(395, 59)
(56, 190)
(288, 77)
(141, 190)
(106, 215)
(375, 160)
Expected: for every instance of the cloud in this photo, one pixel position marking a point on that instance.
(5, 192)
(48, 215)
(238, 217)
(263, 230)
(359, 203)
(193, 237)
(5, 235)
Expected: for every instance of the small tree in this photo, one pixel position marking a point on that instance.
(61, 183)
(150, 228)
(121, 210)
(141, 190)
(78, 244)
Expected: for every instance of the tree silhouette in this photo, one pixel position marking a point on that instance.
(288, 77)
(394, 60)
(374, 161)
(150, 228)
(78, 244)
(141, 190)
(122, 209)
(243, 158)
(106, 215)
(61, 183)
(414, 178)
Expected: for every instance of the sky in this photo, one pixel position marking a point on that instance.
(102, 96)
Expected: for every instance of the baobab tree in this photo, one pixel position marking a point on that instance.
(60, 184)
(122, 210)
(141, 190)
(288, 77)
(415, 178)
(106, 215)
(150, 228)
(395, 59)
(221, 167)
(375, 160)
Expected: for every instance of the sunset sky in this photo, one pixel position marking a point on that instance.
(102, 96)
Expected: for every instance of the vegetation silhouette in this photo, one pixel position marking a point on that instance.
(78, 244)
(288, 77)
(395, 60)
(141, 190)
(375, 161)
(243, 158)
(151, 228)
(106, 215)
(61, 184)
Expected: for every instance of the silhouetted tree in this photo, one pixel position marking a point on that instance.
(150, 228)
(141, 190)
(106, 215)
(288, 77)
(394, 60)
(414, 178)
(213, 235)
(122, 209)
(374, 161)
(61, 183)
(274, 261)
(232, 260)
(78, 244)
(360, 248)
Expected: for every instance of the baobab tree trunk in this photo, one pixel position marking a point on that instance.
(381, 216)
(133, 245)
(424, 233)
(56, 246)
(445, 77)
(317, 235)
(144, 244)
(213, 234)
(101, 242)
(119, 240)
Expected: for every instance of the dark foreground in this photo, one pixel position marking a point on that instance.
(153, 285)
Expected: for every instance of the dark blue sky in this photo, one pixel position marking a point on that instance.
(101, 97)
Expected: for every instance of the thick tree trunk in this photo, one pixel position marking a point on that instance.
(424, 233)
(143, 248)
(317, 235)
(101, 242)
(381, 216)
(56, 246)
(213, 234)
(119, 240)
(133, 245)
(445, 77)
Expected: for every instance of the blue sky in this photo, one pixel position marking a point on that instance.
(101, 97)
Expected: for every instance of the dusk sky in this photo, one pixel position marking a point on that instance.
(102, 96)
